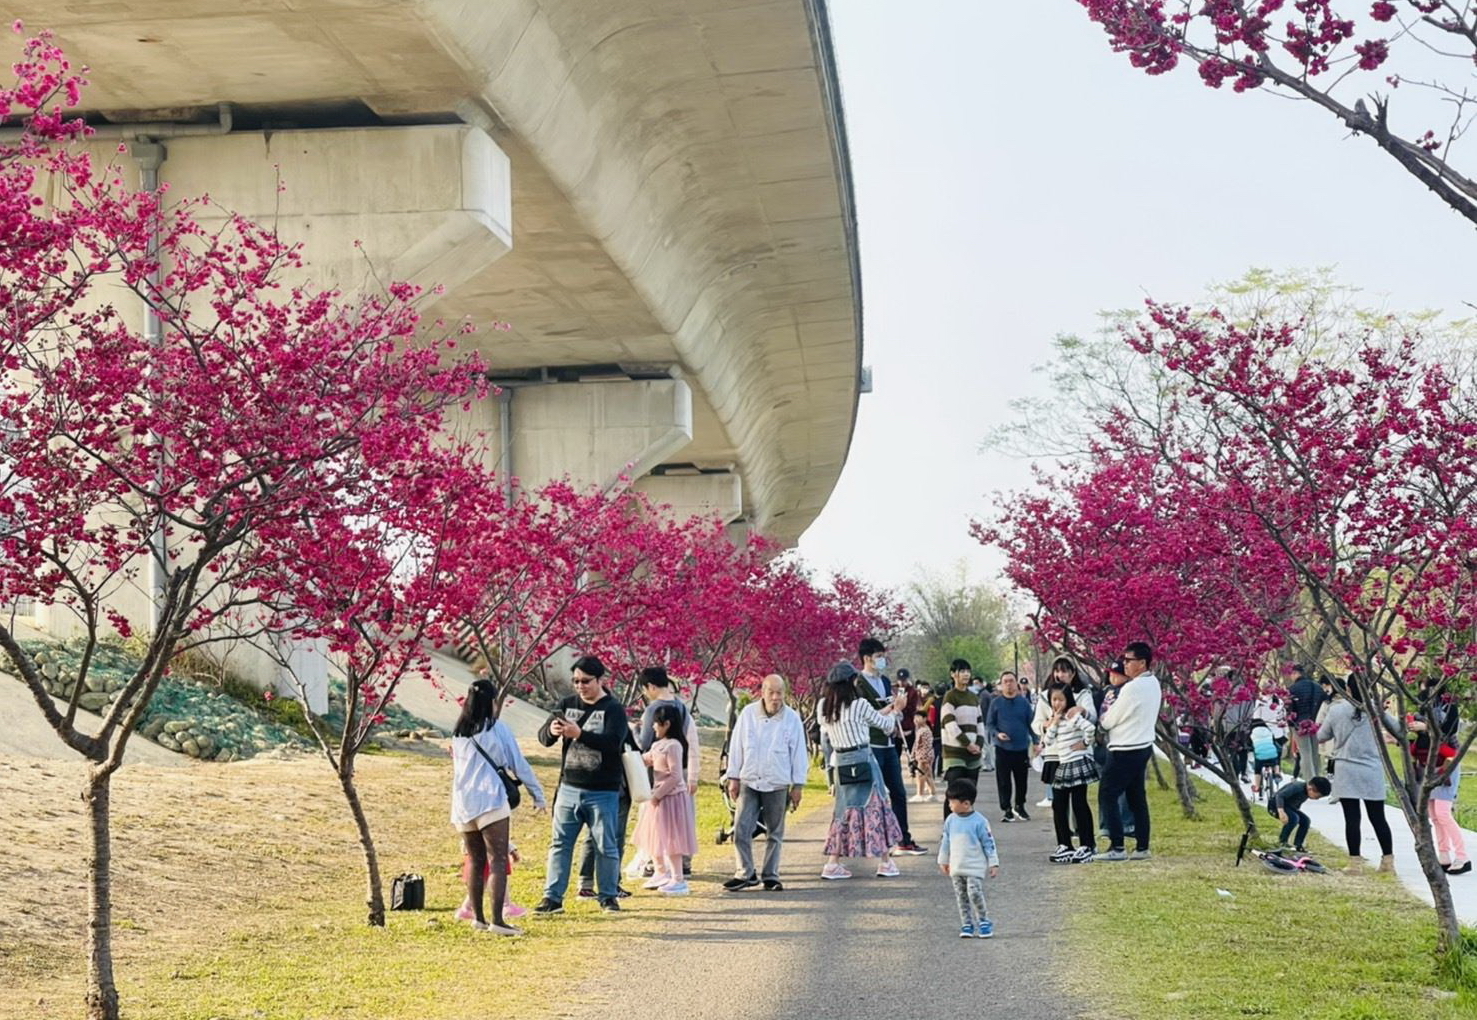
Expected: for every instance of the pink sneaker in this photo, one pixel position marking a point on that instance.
(511, 909)
(465, 913)
(834, 872)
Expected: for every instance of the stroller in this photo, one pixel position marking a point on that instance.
(725, 832)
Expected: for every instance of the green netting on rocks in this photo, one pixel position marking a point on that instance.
(184, 716)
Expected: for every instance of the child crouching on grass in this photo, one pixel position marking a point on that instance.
(966, 854)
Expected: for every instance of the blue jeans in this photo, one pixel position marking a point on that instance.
(597, 810)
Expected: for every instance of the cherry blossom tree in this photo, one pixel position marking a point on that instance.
(1349, 58)
(1355, 459)
(1119, 549)
(375, 587)
(260, 402)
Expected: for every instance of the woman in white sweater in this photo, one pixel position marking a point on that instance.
(862, 824)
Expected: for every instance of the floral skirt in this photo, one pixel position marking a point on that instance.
(867, 831)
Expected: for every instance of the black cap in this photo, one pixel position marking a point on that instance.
(903, 674)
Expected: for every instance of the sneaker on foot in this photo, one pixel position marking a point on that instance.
(1140, 855)
(675, 889)
(1044, 802)
(834, 872)
(586, 894)
(511, 909)
(966, 932)
(610, 905)
(910, 848)
(888, 870)
(1063, 855)
(656, 881)
(986, 930)
(464, 913)
(1459, 869)
(1083, 855)
(548, 906)
(739, 884)
(1112, 855)
(1009, 816)
(622, 893)
(1020, 812)
(773, 885)
(501, 929)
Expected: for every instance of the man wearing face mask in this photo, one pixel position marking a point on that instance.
(877, 690)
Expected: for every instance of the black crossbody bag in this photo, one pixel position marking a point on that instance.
(511, 783)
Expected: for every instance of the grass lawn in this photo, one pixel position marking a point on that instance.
(1158, 940)
(239, 894)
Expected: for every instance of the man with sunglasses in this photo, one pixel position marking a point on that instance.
(1129, 724)
(592, 728)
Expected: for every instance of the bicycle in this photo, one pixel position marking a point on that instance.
(1270, 776)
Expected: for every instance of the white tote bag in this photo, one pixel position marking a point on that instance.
(638, 781)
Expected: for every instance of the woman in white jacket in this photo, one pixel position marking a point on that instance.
(480, 745)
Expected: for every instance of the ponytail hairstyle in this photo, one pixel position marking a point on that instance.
(672, 716)
(479, 710)
(1354, 691)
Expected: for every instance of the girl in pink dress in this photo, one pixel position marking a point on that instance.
(667, 830)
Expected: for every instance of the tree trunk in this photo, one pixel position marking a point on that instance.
(1182, 784)
(1158, 772)
(102, 993)
(374, 891)
(732, 718)
(1238, 792)
(1448, 926)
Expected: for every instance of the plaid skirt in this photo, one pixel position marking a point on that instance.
(1077, 772)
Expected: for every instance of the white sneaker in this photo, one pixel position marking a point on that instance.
(675, 889)
(656, 881)
(1045, 802)
(915, 799)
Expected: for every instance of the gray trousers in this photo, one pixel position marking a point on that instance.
(1307, 748)
(755, 806)
(969, 895)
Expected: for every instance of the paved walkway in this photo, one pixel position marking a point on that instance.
(864, 949)
(1328, 820)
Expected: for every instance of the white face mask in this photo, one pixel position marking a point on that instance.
(880, 662)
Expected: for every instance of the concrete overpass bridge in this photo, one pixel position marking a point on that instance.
(653, 194)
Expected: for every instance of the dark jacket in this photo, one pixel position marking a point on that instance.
(593, 760)
(1304, 699)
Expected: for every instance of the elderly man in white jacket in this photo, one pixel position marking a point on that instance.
(1129, 724)
(767, 765)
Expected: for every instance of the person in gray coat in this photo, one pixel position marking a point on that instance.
(1357, 770)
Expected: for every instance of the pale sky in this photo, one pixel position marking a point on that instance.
(1013, 177)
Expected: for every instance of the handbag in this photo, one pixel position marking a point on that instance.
(408, 892)
(858, 770)
(1048, 771)
(638, 780)
(511, 783)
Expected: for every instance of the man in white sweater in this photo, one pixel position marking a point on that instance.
(767, 763)
(1129, 724)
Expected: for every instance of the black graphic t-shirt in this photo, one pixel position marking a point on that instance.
(593, 761)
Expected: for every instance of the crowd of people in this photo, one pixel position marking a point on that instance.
(868, 728)
(1321, 725)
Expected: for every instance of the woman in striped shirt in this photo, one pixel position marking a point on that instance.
(863, 824)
